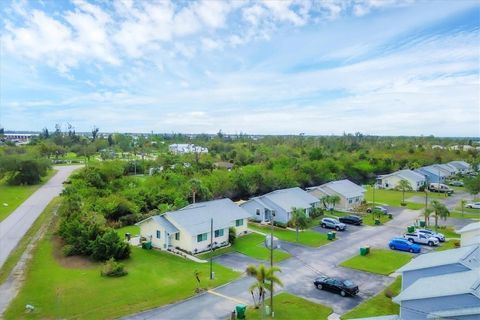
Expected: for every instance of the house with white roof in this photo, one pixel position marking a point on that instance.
(279, 204)
(470, 234)
(180, 148)
(350, 193)
(447, 296)
(190, 228)
(391, 181)
(462, 166)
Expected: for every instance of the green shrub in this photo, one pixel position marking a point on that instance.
(232, 235)
(280, 224)
(109, 245)
(112, 268)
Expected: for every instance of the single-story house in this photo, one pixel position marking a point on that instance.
(470, 234)
(281, 202)
(433, 174)
(462, 166)
(350, 193)
(390, 181)
(438, 263)
(447, 168)
(189, 229)
(179, 148)
(447, 296)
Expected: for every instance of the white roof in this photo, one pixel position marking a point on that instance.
(451, 313)
(288, 199)
(406, 174)
(460, 164)
(466, 256)
(345, 187)
(451, 284)
(470, 227)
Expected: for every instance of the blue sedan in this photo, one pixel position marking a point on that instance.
(404, 245)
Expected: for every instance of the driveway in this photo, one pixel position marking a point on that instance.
(14, 227)
(235, 261)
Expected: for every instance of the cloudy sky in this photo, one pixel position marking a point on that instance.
(383, 67)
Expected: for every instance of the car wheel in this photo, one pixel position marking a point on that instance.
(392, 247)
(324, 225)
(319, 286)
(430, 243)
(337, 228)
(343, 293)
(411, 250)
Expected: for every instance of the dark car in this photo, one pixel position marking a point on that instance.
(351, 219)
(342, 287)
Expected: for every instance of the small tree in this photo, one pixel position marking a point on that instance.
(232, 235)
(334, 200)
(463, 202)
(472, 185)
(440, 211)
(263, 276)
(404, 185)
(299, 220)
(197, 274)
(426, 214)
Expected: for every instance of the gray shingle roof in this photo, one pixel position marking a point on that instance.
(435, 171)
(162, 221)
(406, 174)
(290, 198)
(195, 218)
(462, 165)
(451, 284)
(467, 256)
(345, 187)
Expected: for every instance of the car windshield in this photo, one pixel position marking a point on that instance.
(335, 221)
(348, 283)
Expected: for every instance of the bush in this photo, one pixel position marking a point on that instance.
(232, 235)
(109, 245)
(112, 268)
(280, 224)
(316, 212)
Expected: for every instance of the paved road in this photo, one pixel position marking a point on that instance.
(14, 227)
(297, 275)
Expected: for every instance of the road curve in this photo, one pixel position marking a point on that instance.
(14, 227)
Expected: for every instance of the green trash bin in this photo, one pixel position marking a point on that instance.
(377, 222)
(334, 235)
(330, 236)
(147, 245)
(368, 249)
(363, 251)
(422, 224)
(241, 310)
(410, 229)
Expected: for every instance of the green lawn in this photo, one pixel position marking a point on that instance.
(250, 245)
(447, 245)
(394, 198)
(306, 237)
(154, 279)
(378, 305)
(288, 306)
(381, 261)
(22, 245)
(448, 232)
(369, 219)
(133, 230)
(14, 196)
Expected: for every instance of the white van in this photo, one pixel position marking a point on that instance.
(440, 187)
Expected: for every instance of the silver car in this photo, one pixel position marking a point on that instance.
(333, 224)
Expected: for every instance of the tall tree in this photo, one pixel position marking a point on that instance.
(472, 185)
(440, 211)
(426, 215)
(404, 185)
(299, 220)
(263, 277)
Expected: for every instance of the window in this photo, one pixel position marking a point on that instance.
(258, 212)
(202, 237)
(350, 201)
(239, 222)
(158, 234)
(177, 236)
(219, 233)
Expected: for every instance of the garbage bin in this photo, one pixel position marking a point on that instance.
(334, 234)
(422, 224)
(390, 216)
(363, 251)
(147, 245)
(410, 229)
(377, 222)
(267, 310)
(241, 310)
(330, 236)
(367, 248)
(128, 236)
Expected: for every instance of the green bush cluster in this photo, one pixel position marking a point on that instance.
(112, 268)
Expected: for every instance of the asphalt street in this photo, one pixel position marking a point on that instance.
(14, 227)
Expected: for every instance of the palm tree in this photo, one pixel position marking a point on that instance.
(334, 200)
(325, 201)
(440, 211)
(299, 220)
(463, 202)
(195, 186)
(263, 276)
(426, 214)
(404, 185)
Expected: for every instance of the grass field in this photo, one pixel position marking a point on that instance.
(381, 261)
(133, 230)
(58, 291)
(250, 245)
(306, 237)
(394, 198)
(14, 196)
(447, 245)
(22, 245)
(378, 305)
(288, 306)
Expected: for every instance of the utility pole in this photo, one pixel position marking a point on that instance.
(211, 249)
(271, 262)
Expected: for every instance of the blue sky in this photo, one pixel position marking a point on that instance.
(383, 67)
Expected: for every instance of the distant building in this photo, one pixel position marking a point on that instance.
(350, 193)
(391, 181)
(19, 137)
(281, 202)
(186, 148)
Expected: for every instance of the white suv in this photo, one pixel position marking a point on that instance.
(333, 224)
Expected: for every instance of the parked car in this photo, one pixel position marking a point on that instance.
(421, 238)
(404, 245)
(440, 187)
(351, 219)
(473, 205)
(431, 233)
(342, 287)
(379, 208)
(333, 224)
(456, 183)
